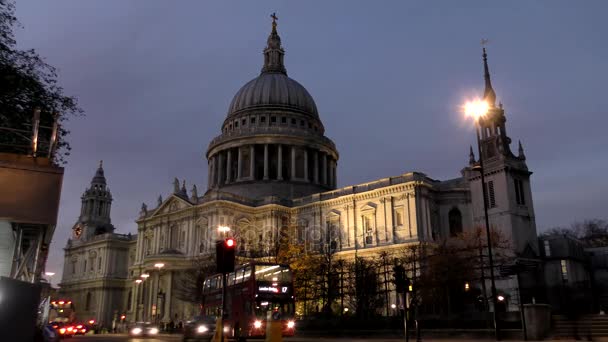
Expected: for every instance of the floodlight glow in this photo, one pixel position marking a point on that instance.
(476, 109)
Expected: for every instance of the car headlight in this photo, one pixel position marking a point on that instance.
(202, 329)
(153, 331)
(291, 324)
(257, 324)
(136, 331)
(226, 328)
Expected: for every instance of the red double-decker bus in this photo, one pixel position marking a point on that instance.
(253, 290)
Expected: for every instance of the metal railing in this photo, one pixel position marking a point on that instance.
(29, 140)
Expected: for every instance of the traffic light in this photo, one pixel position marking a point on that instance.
(224, 254)
(399, 278)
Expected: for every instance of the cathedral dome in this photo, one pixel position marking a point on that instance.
(272, 146)
(274, 90)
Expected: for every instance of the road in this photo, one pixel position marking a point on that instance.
(176, 338)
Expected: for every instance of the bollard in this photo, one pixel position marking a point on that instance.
(274, 329)
(217, 336)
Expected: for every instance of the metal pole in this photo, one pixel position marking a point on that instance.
(521, 309)
(35, 125)
(405, 309)
(223, 306)
(487, 222)
(53, 135)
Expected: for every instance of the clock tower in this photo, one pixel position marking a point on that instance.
(95, 210)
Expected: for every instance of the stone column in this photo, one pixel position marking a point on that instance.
(252, 162)
(210, 175)
(265, 161)
(239, 165)
(306, 164)
(220, 168)
(316, 166)
(280, 162)
(324, 169)
(167, 303)
(229, 166)
(293, 162)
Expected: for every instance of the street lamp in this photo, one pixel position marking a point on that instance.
(158, 266)
(477, 110)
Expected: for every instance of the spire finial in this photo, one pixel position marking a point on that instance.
(273, 53)
(101, 164)
(274, 22)
(471, 155)
(521, 151)
(176, 185)
(160, 200)
(489, 95)
(194, 195)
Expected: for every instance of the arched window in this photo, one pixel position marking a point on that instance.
(87, 304)
(455, 218)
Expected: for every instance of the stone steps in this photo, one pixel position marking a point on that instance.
(588, 325)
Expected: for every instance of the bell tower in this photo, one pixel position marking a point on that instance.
(507, 178)
(94, 216)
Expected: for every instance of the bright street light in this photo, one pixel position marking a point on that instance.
(144, 275)
(393, 306)
(49, 274)
(476, 109)
(223, 229)
(159, 265)
(138, 281)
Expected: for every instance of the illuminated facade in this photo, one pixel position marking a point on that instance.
(272, 171)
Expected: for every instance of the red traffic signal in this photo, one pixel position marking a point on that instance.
(225, 255)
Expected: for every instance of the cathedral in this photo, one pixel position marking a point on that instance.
(271, 169)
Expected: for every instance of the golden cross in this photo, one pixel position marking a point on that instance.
(274, 17)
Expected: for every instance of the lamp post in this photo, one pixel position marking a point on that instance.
(477, 110)
(138, 296)
(159, 267)
(223, 230)
(143, 277)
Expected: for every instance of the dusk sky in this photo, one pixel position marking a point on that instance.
(155, 79)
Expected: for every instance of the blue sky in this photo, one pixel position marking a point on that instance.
(156, 77)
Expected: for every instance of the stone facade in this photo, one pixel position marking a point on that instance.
(272, 169)
(96, 264)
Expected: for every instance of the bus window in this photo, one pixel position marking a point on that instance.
(272, 273)
(239, 276)
(231, 278)
(247, 273)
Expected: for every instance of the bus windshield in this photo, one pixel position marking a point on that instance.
(284, 307)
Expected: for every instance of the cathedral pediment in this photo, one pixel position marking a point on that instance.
(170, 205)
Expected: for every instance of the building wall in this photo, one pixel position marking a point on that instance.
(7, 248)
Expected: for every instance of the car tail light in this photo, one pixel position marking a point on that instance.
(79, 326)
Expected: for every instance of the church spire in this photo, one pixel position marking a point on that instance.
(488, 95)
(274, 53)
(99, 179)
(471, 155)
(521, 151)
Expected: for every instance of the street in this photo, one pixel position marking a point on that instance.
(164, 338)
(169, 338)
